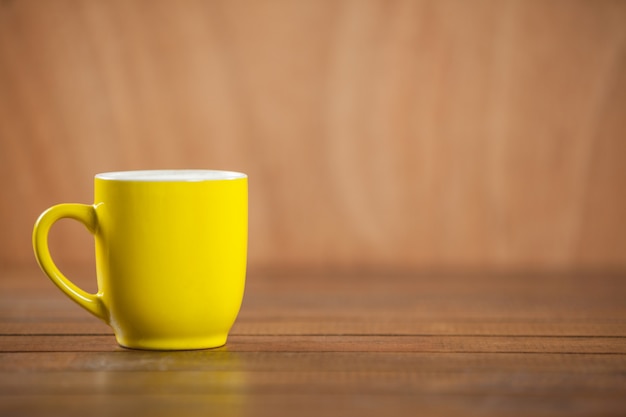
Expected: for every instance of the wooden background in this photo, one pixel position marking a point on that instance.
(416, 134)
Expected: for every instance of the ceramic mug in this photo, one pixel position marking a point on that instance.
(171, 250)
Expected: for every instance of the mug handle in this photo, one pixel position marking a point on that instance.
(86, 214)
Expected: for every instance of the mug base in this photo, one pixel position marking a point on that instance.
(198, 343)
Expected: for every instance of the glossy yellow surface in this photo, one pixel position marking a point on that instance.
(170, 259)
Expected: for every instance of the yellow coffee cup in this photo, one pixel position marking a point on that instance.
(171, 250)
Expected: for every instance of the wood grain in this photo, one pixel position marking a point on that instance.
(318, 325)
(381, 133)
(225, 360)
(344, 343)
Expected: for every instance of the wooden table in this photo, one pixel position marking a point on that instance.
(335, 343)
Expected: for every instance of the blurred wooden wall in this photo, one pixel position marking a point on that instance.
(375, 133)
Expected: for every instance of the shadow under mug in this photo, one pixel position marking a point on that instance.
(171, 249)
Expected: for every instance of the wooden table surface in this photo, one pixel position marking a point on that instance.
(335, 343)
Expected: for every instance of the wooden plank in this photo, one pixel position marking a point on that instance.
(289, 382)
(383, 296)
(507, 344)
(58, 327)
(225, 359)
(383, 311)
(332, 343)
(210, 380)
(401, 326)
(272, 405)
(320, 325)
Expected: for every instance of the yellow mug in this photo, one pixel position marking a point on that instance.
(171, 248)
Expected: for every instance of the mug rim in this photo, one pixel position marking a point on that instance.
(170, 175)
